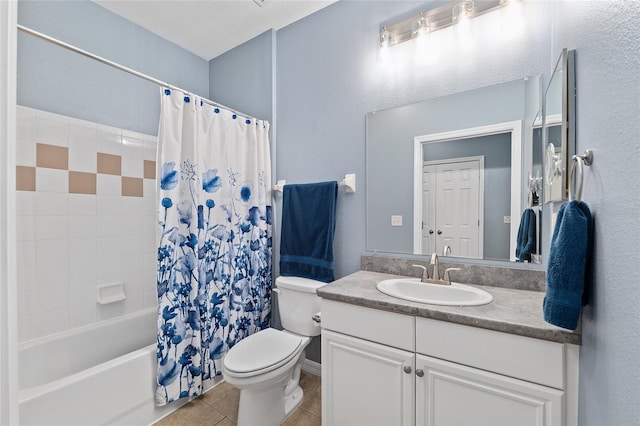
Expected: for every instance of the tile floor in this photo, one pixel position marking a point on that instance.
(219, 407)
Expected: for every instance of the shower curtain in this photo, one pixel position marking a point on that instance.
(214, 242)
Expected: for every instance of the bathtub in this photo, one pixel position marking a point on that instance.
(103, 373)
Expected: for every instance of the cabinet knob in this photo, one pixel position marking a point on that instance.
(430, 231)
(439, 232)
(419, 373)
(407, 369)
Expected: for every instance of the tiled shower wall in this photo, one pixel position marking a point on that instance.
(86, 216)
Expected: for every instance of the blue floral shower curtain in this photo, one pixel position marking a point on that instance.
(214, 244)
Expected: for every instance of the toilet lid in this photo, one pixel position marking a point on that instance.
(265, 350)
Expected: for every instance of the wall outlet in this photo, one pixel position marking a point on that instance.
(507, 219)
(396, 220)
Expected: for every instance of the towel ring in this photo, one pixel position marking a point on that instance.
(577, 169)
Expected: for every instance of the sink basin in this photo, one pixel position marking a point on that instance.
(435, 294)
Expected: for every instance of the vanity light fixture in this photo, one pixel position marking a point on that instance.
(436, 19)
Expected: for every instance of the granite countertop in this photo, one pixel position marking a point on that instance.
(512, 311)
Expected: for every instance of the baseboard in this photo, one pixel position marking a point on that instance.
(312, 367)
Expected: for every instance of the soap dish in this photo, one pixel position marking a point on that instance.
(110, 293)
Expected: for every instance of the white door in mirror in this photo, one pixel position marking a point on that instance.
(452, 206)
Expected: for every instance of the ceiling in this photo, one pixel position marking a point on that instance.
(209, 28)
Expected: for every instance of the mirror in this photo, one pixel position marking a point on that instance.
(559, 127)
(450, 175)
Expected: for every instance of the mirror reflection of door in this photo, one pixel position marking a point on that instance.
(499, 197)
(452, 207)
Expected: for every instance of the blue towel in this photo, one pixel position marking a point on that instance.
(308, 225)
(568, 257)
(526, 242)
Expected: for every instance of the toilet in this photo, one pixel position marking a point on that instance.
(266, 365)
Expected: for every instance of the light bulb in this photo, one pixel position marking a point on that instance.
(422, 26)
(385, 38)
(462, 11)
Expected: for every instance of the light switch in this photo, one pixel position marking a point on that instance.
(507, 219)
(396, 220)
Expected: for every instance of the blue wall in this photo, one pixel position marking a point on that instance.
(242, 77)
(606, 37)
(53, 79)
(327, 80)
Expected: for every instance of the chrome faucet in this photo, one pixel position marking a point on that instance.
(435, 276)
(446, 250)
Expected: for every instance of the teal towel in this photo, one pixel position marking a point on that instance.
(526, 241)
(568, 257)
(308, 226)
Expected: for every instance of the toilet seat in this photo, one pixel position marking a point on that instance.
(262, 352)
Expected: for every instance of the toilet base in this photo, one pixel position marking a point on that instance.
(267, 408)
(269, 404)
(293, 401)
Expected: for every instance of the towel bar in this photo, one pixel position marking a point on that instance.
(349, 183)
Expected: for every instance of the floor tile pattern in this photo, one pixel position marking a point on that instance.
(219, 407)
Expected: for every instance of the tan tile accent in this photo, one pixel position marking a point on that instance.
(25, 178)
(109, 164)
(52, 157)
(132, 187)
(82, 183)
(149, 169)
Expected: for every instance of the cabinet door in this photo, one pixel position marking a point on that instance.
(365, 383)
(453, 394)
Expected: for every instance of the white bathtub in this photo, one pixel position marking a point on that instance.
(100, 374)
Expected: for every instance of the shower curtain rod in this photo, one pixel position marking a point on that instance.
(120, 67)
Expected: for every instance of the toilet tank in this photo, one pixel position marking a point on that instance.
(297, 303)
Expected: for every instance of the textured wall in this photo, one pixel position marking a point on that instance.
(242, 77)
(329, 75)
(606, 37)
(53, 79)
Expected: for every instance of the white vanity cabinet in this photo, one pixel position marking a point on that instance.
(368, 383)
(368, 363)
(383, 368)
(454, 394)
